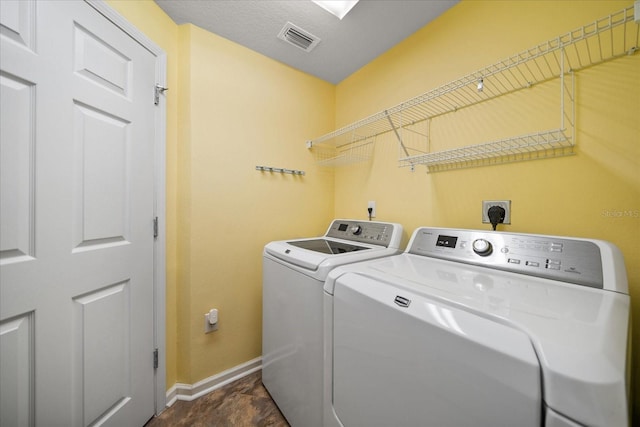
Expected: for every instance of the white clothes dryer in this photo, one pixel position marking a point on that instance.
(472, 328)
(294, 272)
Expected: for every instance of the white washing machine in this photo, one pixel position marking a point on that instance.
(294, 272)
(472, 328)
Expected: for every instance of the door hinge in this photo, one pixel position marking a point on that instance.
(155, 359)
(158, 91)
(155, 227)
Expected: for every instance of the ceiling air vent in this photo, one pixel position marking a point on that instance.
(298, 37)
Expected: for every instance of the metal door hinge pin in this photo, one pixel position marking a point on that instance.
(155, 227)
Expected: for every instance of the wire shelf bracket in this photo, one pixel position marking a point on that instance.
(342, 155)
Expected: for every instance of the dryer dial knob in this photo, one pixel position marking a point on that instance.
(482, 247)
(356, 229)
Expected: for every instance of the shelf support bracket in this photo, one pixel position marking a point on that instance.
(395, 130)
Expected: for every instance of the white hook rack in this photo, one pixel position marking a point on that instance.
(279, 170)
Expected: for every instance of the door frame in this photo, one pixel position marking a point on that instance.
(159, 253)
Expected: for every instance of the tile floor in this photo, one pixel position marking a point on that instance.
(243, 403)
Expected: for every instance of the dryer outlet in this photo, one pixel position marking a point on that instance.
(505, 204)
(372, 205)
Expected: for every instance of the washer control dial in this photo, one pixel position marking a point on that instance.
(356, 229)
(482, 247)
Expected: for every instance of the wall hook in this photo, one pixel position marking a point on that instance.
(279, 170)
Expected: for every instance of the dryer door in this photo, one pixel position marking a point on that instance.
(400, 359)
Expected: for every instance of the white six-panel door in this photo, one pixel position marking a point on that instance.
(76, 218)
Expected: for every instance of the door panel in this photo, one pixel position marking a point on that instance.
(102, 152)
(101, 62)
(102, 326)
(77, 189)
(17, 111)
(17, 22)
(16, 371)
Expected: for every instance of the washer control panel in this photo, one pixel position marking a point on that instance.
(377, 233)
(569, 260)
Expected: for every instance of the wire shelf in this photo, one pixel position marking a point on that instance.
(329, 156)
(605, 39)
(538, 145)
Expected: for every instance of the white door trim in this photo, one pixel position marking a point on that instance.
(159, 285)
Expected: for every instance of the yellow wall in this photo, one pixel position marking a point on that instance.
(245, 110)
(578, 195)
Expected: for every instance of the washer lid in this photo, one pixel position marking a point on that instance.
(579, 333)
(326, 246)
(304, 258)
(320, 255)
(346, 241)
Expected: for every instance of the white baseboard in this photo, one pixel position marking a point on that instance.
(189, 392)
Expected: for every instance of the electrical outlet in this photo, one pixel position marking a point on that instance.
(505, 204)
(372, 205)
(211, 321)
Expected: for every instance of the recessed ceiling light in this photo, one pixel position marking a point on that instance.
(338, 8)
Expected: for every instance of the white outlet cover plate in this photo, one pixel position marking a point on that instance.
(506, 204)
(208, 327)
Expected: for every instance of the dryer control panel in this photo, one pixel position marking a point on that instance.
(570, 260)
(377, 233)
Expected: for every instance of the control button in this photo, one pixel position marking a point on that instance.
(482, 247)
(532, 264)
(514, 261)
(553, 264)
(504, 250)
(556, 247)
(356, 229)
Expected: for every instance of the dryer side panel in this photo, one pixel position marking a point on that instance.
(404, 360)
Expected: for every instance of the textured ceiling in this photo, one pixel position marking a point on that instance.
(371, 28)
